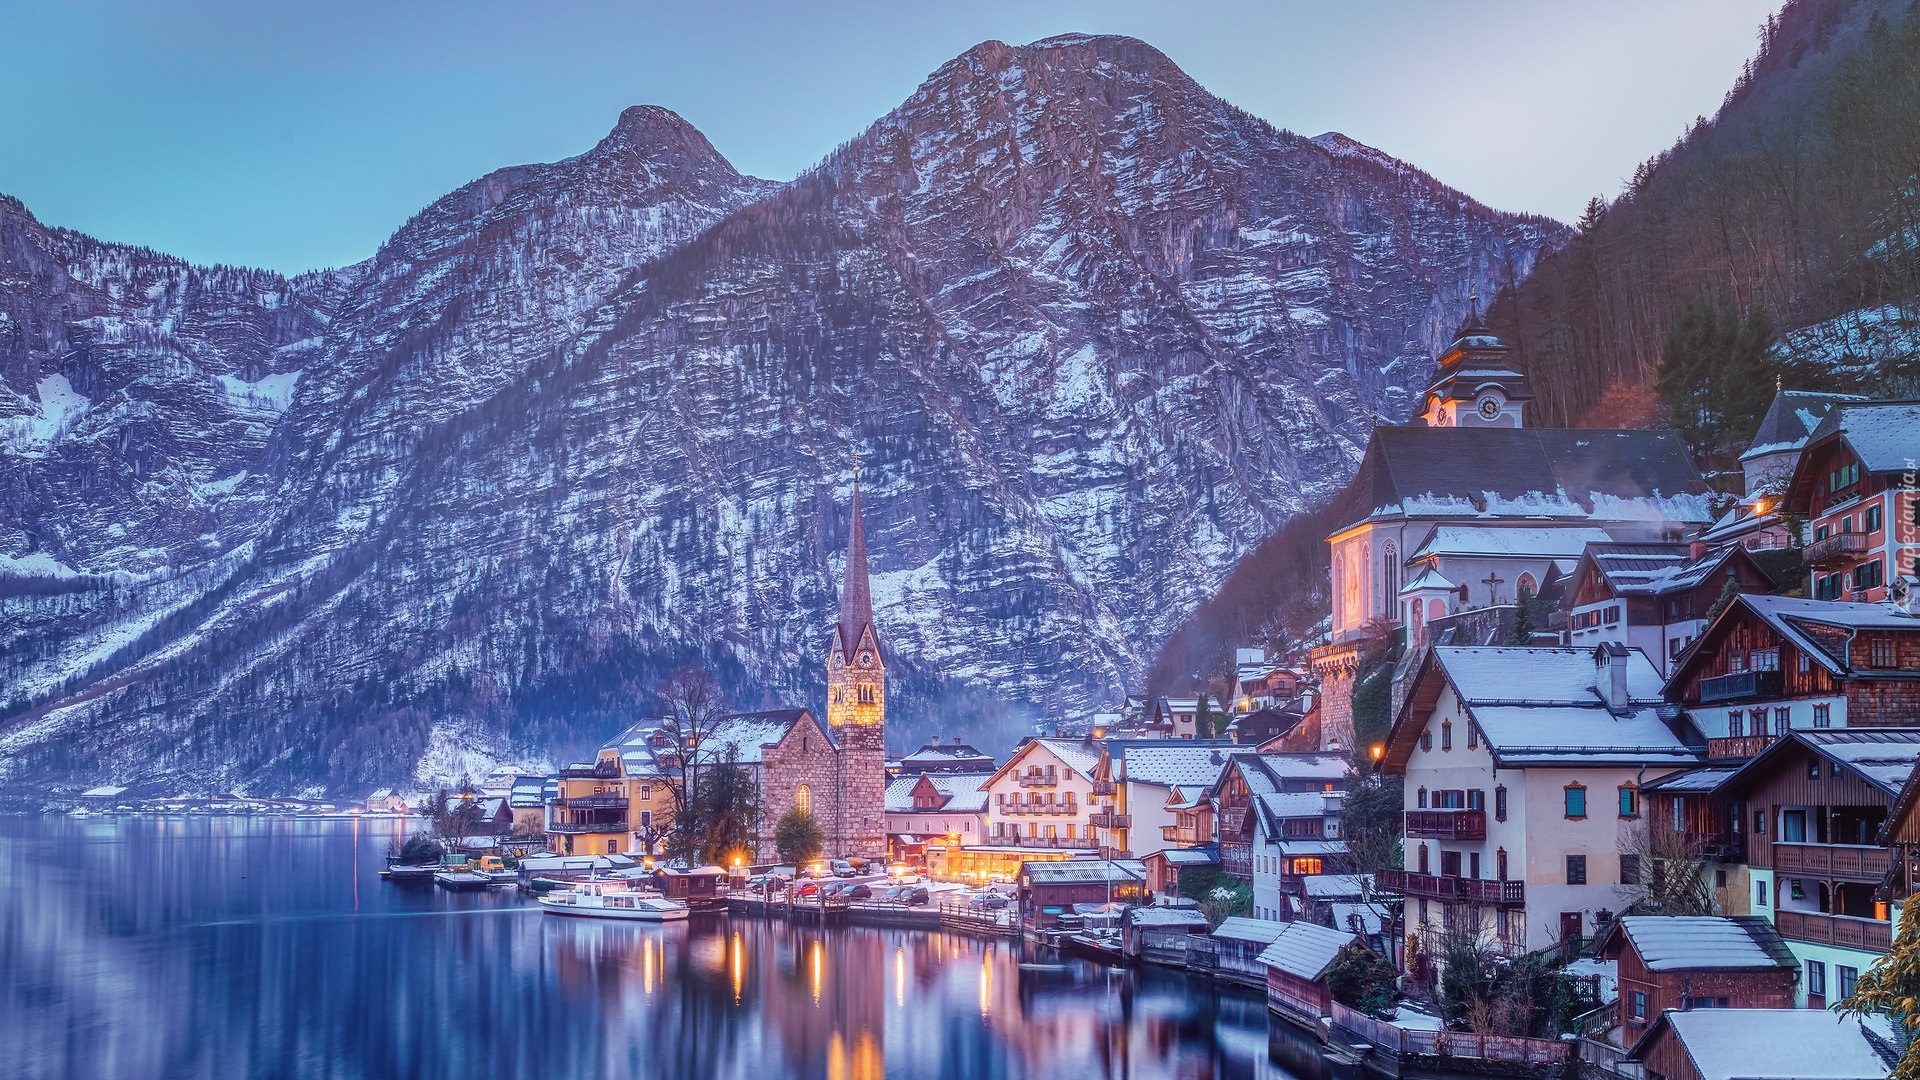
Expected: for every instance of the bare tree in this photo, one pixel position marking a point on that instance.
(1668, 871)
(695, 704)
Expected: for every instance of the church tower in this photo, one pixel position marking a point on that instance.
(1475, 384)
(857, 705)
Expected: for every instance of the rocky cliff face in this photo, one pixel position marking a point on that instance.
(1092, 331)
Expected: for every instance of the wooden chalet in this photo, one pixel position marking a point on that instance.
(1687, 962)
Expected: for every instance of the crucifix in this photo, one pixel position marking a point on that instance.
(1493, 581)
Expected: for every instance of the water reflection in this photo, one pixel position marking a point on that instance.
(139, 947)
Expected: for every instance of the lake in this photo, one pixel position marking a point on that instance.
(200, 946)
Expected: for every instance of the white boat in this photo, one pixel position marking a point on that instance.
(612, 900)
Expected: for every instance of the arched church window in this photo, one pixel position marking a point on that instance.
(1389, 577)
(1528, 586)
(803, 799)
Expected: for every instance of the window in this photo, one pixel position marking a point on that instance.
(1576, 869)
(1736, 723)
(1306, 865)
(1426, 740)
(1639, 1003)
(1423, 912)
(1760, 893)
(1500, 863)
(866, 694)
(1500, 803)
(1425, 868)
(1782, 719)
(1473, 736)
(1476, 799)
(1446, 735)
(1450, 864)
(1759, 823)
(1822, 716)
(646, 792)
(1450, 799)
(1842, 478)
(1873, 519)
(1766, 659)
(1846, 977)
(803, 799)
(1422, 796)
(1758, 720)
(1629, 869)
(1869, 575)
(646, 819)
(1629, 801)
(1806, 661)
(1880, 651)
(1816, 978)
(1473, 865)
(1576, 801)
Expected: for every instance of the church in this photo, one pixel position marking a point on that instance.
(835, 770)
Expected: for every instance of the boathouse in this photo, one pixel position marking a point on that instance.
(1238, 943)
(1296, 967)
(1695, 962)
(1719, 1044)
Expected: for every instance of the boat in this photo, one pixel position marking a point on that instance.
(417, 874)
(612, 900)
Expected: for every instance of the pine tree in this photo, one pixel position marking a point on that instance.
(1892, 987)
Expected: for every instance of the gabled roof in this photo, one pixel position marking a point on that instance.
(1702, 781)
(1659, 569)
(1174, 762)
(528, 792)
(964, 792)
(1071, 871)
(1428, 580)
(1337, 886)
(1306, 950)
(1543, 705)
(1791, 420)
(1166, 916)
(1882, 434)
(1203, 855)
(1800, 621)
(855, 626)
(1882, 757)
(1701, 942)
(752, 733)
(1241, 928)
(939, 755)
(1474, 472)
(1522, 541)
(1769, 1044)
(1082, 756)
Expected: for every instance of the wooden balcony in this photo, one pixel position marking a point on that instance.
(594, 802)
(1055, 842)
(1106, 819)
(1236, 858)
(600, 770)
(1453, 890)
(1184, 835)
(1841, 862)
(1741, 747)
(1740, 685)
(1845, 931)
(1102, 787)
(1046, 777)
(1836, 548)
(1447, 824)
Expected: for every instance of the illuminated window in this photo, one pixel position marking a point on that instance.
(1306, 865)
(803, 799)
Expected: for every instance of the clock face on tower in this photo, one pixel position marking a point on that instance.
(866, 659)
(1489, 407)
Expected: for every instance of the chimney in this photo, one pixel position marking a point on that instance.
(1697, 549)
(1615, 674)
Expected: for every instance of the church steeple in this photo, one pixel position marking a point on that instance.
(1475, 385)
(856, 664)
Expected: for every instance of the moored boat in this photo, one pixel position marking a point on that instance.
(612, 900)
(418, 874)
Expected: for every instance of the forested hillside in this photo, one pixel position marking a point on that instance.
(1797, 201)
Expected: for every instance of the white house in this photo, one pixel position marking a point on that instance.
(1523, 768)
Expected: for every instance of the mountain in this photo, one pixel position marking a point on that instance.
(1798, 200)
(1093, 333)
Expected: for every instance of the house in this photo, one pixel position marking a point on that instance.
(1164, 866)
(1654, 597)
(495, 817)
(1750, 1044)
(384, 801)
(953, 757)
(1238, 943)
(1270, 722)
(1476, 469)
(1854, 486)
(934, 805)
(1260, 683)
(1049, 890)
(1817, 803)
(1687, 962)
(1145, 929)
(105, 796)
(1755, 521)
(1052, 799)
(1296, 965)
(1292, 836)
(1248, 775)
(1769, 664)
(1163, 783)
(526, 797)
(1176, 718)
(1522, 768)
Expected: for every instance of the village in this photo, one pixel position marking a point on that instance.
(1589, 764)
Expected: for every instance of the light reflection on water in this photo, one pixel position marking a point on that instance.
(217, 947)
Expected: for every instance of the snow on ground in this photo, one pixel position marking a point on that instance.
(60, 408)
(273, 392)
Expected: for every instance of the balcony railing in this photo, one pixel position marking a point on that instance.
(1742, 746)
(1102, 787)
(1870, 935)
(1187, 835)
(576, 827)
(1834, 548)
(594, 802)
(1740, 684)
(604, 770)
(1447, 824)
(1106, 819)
(1849, 861)
(1453, 890)
(1075, 843)
(1044, 778)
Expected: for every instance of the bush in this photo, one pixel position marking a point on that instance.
(1362, 979)
(797, 838)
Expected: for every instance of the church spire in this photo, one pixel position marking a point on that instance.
(856, 597)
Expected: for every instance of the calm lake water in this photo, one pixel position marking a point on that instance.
(251, 947)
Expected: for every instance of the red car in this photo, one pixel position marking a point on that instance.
(806, 888)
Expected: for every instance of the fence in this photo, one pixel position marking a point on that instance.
(1399, 1041)
(1179, 950)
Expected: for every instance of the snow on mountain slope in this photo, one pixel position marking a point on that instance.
(1093, 332)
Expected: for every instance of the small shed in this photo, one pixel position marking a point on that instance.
(1238, 943)
(1147, 929)
(1164, 866)
(1296, 967)
(104, 796)
(1686, 962)
(1049, 890)
(1728, 1044)
(699, 887)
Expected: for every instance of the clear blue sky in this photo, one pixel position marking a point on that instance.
(296, 136)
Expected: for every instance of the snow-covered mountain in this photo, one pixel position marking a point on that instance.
(1092, 331)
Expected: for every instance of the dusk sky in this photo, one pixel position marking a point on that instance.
(293, 138)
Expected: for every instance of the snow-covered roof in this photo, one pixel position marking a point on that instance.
(1654, 569)
(1167, 916)
(1330, 886)
(379, 793)
(750, 733)
(1174, 762)
(527, 792)
(1305, 950)
(1703, 780)
(1429, 580)
(1241, 928)
(1883, 433)
(1790, 420)
(1567, 734)
(1364, 917)
(105, 791)
(1539, 674)
(1799, 621)
(1509, 541)
(963, 791)
(1301, 804)
(1312, 847)
(938, 755)
(1706, 942)
(1885, 757)
(1268, 773)
(1770, 1044)
(1075, 754)
(1204, 855)
(1068, 871)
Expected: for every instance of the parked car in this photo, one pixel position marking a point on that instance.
(815, 870)
(903, 875)
(916, 894)
(859, 892)
(896, 894)
(807, 888)
(986, 901)
(843, 868)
